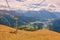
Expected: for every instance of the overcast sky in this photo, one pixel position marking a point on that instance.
(29, 4)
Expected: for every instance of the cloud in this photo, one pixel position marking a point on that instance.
(35, 5)
(20, 0)
(29, 4)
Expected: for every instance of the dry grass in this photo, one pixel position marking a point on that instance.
(26, 35)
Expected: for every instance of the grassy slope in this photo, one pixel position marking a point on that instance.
(26, 35)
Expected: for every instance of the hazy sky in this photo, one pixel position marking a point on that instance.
(29, 4)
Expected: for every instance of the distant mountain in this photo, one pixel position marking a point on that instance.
(42, 14)
(55, 25)
(58, 14)
(10, 15)
(29, 16)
